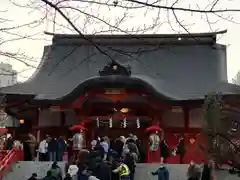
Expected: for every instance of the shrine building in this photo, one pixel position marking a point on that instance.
(113, 85)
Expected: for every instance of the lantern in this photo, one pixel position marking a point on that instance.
(124, 110)
(21, 121)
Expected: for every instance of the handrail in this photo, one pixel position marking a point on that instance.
(8, 152)
(7, 158)
(11, 157)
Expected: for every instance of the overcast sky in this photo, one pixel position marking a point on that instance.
(33, 46)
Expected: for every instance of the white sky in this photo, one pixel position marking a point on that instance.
(195, 22)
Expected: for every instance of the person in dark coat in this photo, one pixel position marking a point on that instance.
(181, 149)
(118, 146)
(9, 143)
(206, 173)
(26, 152)
(49, 176)
(131, 144)
(68, 177)
(61, 148)
(129, 161)
(162, 172)
(83, 174)
(69, 149)
(52, 149)
(193, 172)
(101, 170)
(112, 156)
(98, 148)
(56, 171)
(114, 176)
(82, 166)
(142, 156)
(164, 150)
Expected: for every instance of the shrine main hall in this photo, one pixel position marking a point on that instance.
(113, 85)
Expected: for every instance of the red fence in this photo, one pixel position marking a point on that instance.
(7, 158)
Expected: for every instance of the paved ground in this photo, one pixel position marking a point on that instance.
(23, 170)
(177, 172)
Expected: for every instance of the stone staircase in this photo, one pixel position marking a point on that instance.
(23, 170)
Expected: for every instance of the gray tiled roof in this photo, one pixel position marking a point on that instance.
(176, 71)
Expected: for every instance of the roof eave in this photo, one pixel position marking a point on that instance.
(194, 38)
(112, 36)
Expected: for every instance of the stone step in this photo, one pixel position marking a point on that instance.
(22, 170)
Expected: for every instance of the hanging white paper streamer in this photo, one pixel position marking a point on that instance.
(97, 122)
(138, 123)
(125, 122)
(110, 122)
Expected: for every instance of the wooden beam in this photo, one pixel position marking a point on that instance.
(186, 112)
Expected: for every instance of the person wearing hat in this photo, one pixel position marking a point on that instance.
(123, 170)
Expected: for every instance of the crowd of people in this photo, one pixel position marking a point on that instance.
(204, 172)
(7, 142)
(104, 160)
(52, 149)
(114, 160)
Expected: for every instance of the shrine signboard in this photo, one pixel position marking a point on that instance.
(115, 94)
(115, 91)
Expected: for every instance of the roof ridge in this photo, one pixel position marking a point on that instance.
(204, 34)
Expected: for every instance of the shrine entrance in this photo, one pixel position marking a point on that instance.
(119, 112)
(115, 126)
(116, 113)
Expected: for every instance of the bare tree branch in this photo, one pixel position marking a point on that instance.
(185, 9)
